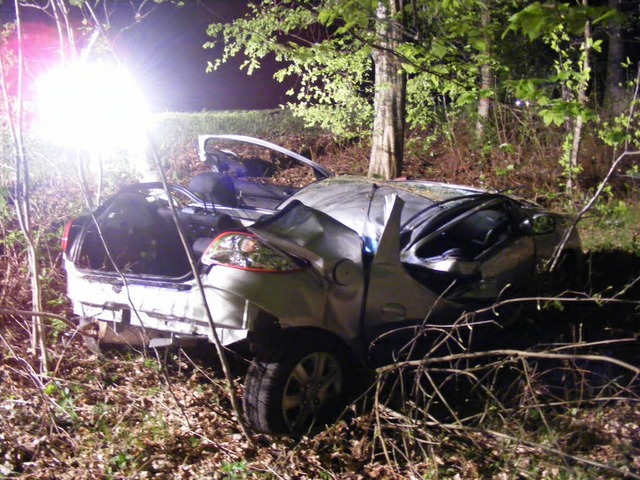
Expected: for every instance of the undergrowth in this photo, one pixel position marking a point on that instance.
(542, 413)
(552, 406)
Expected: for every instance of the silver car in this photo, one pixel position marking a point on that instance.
(310, 277)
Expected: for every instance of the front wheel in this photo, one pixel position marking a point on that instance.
(295, 383)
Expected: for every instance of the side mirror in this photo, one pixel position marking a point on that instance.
(539, 224)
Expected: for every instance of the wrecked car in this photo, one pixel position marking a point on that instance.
(309, 275)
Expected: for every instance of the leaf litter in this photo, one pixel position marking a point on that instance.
(131, 414)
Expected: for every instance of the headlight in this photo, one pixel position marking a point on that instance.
(245, 251)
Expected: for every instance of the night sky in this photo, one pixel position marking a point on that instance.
(165, 53)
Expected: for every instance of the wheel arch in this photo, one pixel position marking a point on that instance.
(267, 328)
(309, 332)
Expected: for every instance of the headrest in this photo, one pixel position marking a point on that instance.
(216, 188)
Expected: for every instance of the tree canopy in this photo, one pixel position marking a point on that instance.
(446, 49)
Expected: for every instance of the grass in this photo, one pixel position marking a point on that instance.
(613, 226)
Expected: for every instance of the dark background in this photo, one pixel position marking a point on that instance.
(165, 53)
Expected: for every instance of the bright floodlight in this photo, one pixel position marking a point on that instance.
(91, 105)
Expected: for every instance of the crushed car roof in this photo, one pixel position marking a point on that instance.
(355, 200)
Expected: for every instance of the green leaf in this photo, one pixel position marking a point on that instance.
(466, 98)
(526, 90)
(439, 49)
(552, 117)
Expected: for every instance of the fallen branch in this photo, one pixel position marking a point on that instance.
(32, 313)
(423, 362)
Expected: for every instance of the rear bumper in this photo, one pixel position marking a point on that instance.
(160, 309)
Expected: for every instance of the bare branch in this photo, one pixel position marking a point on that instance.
(424, 362)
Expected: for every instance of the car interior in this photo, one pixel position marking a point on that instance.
(140, 236)
(454, 248)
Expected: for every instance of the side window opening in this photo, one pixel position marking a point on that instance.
(470, 239)
(478, 234)
(457, 251)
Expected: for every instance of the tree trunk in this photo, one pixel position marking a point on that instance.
(486, 75)
(614, 90)
(14, 122)
(582, 99)
(390, 94)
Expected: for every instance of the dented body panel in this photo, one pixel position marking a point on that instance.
(354, 258)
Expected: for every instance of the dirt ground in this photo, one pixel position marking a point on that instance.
(130, 413)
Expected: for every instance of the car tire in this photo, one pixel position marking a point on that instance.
(296, 384)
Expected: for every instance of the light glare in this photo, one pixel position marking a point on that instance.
(91, 105)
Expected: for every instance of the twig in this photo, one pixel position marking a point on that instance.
(555, 451)
(31, 313)
(212, 327)
(507, 353)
